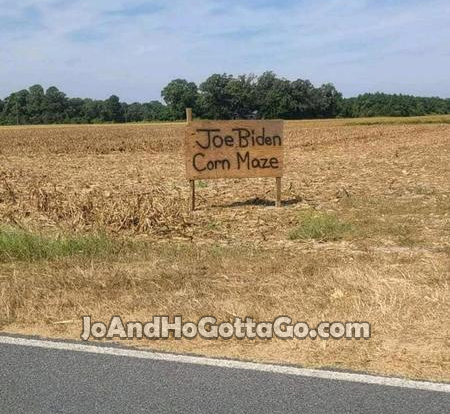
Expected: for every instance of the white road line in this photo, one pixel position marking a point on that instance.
(223, 363)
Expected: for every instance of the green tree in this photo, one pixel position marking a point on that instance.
(328, 101)
(15, 108)
(381, 104)
(75, 111)
(156, 111)
(35, 104)
(274, 97)
(304, 97)
(134, 112)
(92, 110)
(241, 95)
(221, 96)
(55, 105)
(112, 110)
(180, 94)
(215, 98)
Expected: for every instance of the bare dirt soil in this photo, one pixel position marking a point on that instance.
(238, 255)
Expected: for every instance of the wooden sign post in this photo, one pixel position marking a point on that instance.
(233, 149)
(191, 182)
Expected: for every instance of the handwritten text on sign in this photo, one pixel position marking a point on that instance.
(234, 149)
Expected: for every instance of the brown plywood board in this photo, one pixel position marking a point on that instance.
(234, 149)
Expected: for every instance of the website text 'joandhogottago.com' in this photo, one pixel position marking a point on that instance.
(208, 327)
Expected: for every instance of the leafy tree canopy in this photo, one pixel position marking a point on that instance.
(220, 96)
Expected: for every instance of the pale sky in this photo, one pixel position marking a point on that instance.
(133, 48)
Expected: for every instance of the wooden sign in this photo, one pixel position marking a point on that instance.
(233, 149)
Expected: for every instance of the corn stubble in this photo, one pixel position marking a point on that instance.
(380, 252)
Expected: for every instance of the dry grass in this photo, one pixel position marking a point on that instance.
(388, 183)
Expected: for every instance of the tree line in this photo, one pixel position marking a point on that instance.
(382, 104)
(220, 96)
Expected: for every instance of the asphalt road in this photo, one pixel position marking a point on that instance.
(41, 380)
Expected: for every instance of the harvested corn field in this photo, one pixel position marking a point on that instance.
(363, 234)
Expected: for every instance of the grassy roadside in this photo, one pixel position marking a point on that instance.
(329, 281)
